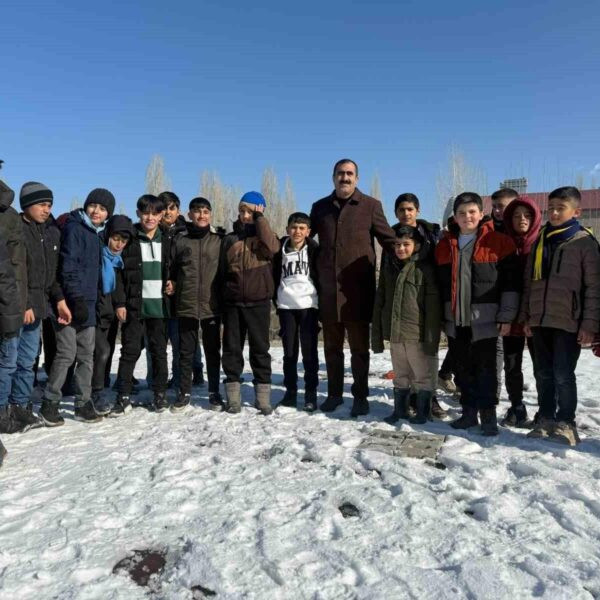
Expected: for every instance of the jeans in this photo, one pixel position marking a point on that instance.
(23, 377)
(300, 330)
(173, 335)
(8, 363)
(72, 344)
(556, 356)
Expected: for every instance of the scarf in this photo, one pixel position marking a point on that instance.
(550, 238)
(89, 223)
(110, 262)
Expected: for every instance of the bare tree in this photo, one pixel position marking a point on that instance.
(156, 178)
(276, 210)
(76, 203)
(458, 176)
(289, 197)
(223, 198)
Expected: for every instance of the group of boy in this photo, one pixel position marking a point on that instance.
(167, 278)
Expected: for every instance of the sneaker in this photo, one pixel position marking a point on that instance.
(86, 413)
(100, 404)
(215, 402)
(290, 399)
(50, 414)
(467, 419)
(516, 416)
(182, 402)
(198, 378)
(360, 407)
(331, 403)
(542, 429)
(437, 412)
(24, 415)
(565, 433)
(310, 401)
(8, 424)
(122, 406)
(446, 385)
(160, 402)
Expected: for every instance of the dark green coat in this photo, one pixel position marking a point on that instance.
(407, 306)
(194, 269)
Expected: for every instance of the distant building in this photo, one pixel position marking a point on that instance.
(519, 185)
(590, 206)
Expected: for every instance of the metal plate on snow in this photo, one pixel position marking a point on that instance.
(399, 443)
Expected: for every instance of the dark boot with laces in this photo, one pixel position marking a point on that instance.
(86, 413)
(182, 402)
(50, 414)
(215, 402)
(24, 415)
(160, 402)
(122, 406)
(516, 416)
(8, 424)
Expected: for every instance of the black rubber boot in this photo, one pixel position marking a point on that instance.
(489, 424)
(360, 407)
(423, 409)
(467, 419)
(401, 406)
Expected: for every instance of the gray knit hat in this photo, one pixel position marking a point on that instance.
(33, 192)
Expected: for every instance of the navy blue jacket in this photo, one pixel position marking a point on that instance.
(80, 256)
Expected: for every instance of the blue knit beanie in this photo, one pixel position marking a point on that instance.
(253, 198)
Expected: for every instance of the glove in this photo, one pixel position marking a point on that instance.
(79, 311)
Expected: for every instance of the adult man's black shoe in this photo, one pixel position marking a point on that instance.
(122, 406)
(310, 401)
(331, 403)
(50, 414)
(360, 407)
(290, 399)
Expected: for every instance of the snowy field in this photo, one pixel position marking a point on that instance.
(245, 506)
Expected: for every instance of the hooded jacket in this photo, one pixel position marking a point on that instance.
(12, 233)
(11, 318)
(523, 242)
(194, 269)
(246, 263)
(42, 243)
(494, 283)
(79, 270)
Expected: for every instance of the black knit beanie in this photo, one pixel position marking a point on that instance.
(102, 197)
(119, 224)
(33, 192)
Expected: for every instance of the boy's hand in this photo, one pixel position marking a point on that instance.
(29, 317)
(259, 208)
(504, 329)
(121, 313)
(64, 314)
(585, 338)
(170, 288)
(527, 330)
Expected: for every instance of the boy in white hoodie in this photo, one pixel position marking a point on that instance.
(297, 307)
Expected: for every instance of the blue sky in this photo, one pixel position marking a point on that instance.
(90, 91)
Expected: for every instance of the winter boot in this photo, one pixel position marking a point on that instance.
(86, 413)
(24, 415)
(262, 402)
(401, 406)
(437, 412)
(565, 433)
(50, 414)
(8, 424)
(423, 412)
(233, 393)
(360, 407)
(543, 428)
(331, 403)
(467, 419)
(290, 399)
(310, 400)
(160, 402)
(182, 402)
(100, 404)
(215, 402)
(122, 406)
(489, 425)
(516, 416)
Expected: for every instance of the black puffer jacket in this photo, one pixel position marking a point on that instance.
(11, 318)
(12, 234)
(194, 269)
(42, 242)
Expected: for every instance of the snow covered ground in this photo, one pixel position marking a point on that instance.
(248, 506)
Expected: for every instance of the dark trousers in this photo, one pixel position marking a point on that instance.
(447, 368)
(300, 330)
(237, 322)
(513, 366)
(188, 342)
(132, 333)
(111, 336)
(475, 368)
(101, 355)
(358, 339)
(556, 356)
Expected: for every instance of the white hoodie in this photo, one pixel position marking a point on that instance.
(296, 290)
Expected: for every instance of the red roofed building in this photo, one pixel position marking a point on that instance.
(590, 207)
